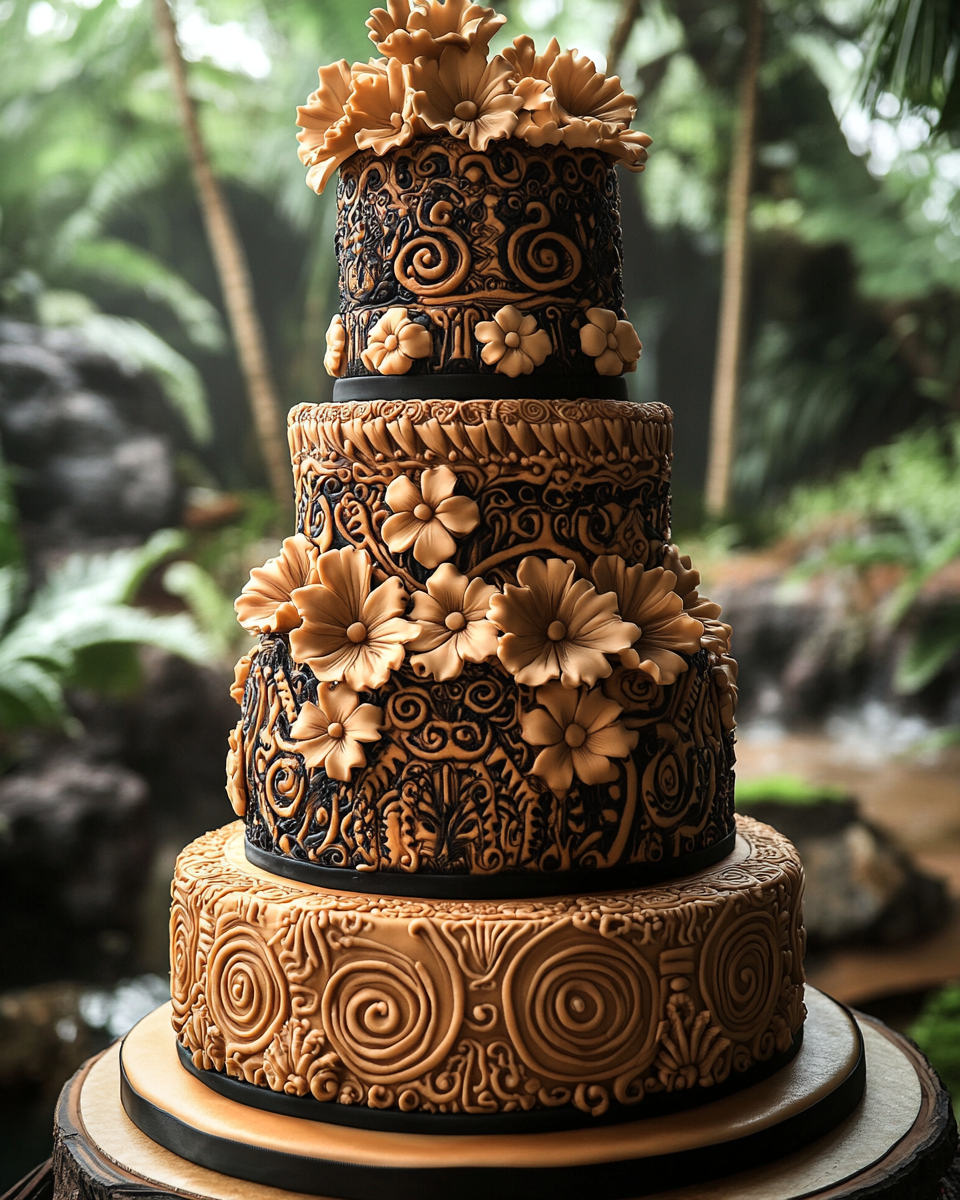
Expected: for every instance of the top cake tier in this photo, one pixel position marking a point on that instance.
(505, 262)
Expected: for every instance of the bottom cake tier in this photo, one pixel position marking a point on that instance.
(453, 1016)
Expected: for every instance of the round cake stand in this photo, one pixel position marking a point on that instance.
(897, 1144)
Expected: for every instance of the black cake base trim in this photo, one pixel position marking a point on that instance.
(600, 1180)
(549, 1120)
(484, 387)
(529, 886)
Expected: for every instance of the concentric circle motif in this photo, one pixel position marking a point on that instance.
(184, 937)
(741, 969)
(580, 1007)
(247, 993)
(391, 1017)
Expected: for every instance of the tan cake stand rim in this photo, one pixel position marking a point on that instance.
(829, 1054)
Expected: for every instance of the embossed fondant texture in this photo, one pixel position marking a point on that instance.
(463, 778)
(451, 236)
(452, 1006)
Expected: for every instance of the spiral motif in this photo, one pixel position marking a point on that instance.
(391, 1017)
(668, 784)
(408, 710)
(246, 990)
(433, 265)
(580, 1007)
(184, 941)
(285, 785)
(741, 969)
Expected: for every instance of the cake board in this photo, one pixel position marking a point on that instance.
(897, 1145)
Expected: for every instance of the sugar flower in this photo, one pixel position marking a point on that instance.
(452, 616)
(428, 517)
(585, 94)
(647, 598)
(351, 631)
(406, 31)
(724, 672)
(557, 627)
(395, 342)
(716, 634)
(236, 778)
(328, 131)
(512, 342)
(612, 342)
(380, 110)
(539, 122)
(265, 605)
(581, 736)
(526, 62)
(466, 95)
(335, 358)
(330, 733)
(241, 673)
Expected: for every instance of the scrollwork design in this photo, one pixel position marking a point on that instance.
(741, 970)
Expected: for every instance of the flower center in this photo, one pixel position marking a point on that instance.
(423, 512)
(455, 621)
(611, 341)
(357, 632)
(466, 110)
(575, 736)
(335, 730)
(391, 342)
(556, 631)
(512, 340)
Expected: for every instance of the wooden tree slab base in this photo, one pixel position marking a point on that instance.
(898, 1144)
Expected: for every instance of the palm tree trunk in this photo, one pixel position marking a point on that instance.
(629, 15)
(233, 271)
(726, 375)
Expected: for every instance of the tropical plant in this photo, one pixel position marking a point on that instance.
(937, 1032)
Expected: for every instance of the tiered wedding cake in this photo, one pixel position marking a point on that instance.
(488, 879)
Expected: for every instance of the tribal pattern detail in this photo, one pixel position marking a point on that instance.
(453, 238)
(443, 1006)
(482, 661)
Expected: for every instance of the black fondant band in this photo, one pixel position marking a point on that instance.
(600, 1181)
(483, 387)
(529, 886)
(549, 1120)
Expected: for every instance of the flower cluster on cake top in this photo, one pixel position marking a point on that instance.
(437, 76)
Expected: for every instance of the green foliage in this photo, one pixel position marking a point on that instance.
(211, 607)
(916, 55)
(937, 1032)
(785, 789)
(901, 506)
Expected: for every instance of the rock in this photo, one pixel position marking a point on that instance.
(861, 887)
(93, 443)
(75, 847)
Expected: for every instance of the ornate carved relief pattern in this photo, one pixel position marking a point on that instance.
(443, 1006)
(453, 235)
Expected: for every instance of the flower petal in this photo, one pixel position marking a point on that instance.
(402, 495)
(459, 514)
(401, 530)
(555, 766)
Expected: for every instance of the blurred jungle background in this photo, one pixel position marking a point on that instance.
(793, 267)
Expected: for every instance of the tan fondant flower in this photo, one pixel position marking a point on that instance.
(581, 736)
(630, 147)
(379, 106)
(725, 671)
(557, 627)
(395, 342)
(466, 95)
(716, 634)
(328, 131)
(428, 517)
(539, 118)
(241, 673)
(452, 616)
(612, 342)
(585, 94)
(406, 31)
(512, 342)
(265, 605)
(526, 62)
(335, 359)
(350, 631)
(236, 772)
(648, 599)
(330, 733)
